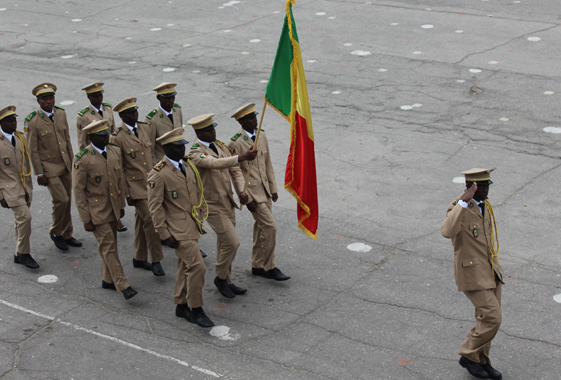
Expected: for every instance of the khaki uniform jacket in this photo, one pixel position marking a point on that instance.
(471, 236)
(97, 184)
(262, 183)
(216, 172)
(137, 158)
(12, 189)
(49, 143)
(171, 197)
(160, 124)
(87, 115)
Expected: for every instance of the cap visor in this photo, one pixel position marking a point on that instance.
(102, 133)
(129, 110)
(180, 142)
(212, 126)
(168, 95)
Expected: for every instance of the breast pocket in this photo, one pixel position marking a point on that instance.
(475, 230)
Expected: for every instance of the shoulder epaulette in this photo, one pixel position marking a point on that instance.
(151, 114)
(160, 166)
(195, 146)
(235, 137)
(176, 105)
(30, 116)
(60, 108)
(82, 112)
(81, 153)
(107, 105)
(113, 144)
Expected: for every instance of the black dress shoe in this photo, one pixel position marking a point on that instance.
(237, 290)
(202, 253)
(123, 228)
(200, 318)
(141, 264)
(474, 369)
(277, 275)
(157, 269)
(163, 242)
(129, 293)
(223, 287)
(59, 242)
(259, 272)
(73, 242)
(492, 372)
(26, 260)
(108, 285)
(183, 311)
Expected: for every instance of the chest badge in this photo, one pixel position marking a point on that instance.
(203, 155)
(7, 161)
(98, 179)
(475, 233)
(246, 138)
(174, 194)
(133, 155)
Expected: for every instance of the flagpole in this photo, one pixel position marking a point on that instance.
(254, 146)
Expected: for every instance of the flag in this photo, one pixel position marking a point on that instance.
(287, 93)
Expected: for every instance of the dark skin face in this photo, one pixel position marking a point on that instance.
(166, 103)
(207, 135)
(47, 103)
(129, 118)
(9, 125)
(479, 192)
(100, 141)
(249, 123)
(96, 99)
(175, 152)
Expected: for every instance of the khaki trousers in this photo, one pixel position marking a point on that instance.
(61, 193)
(264, 236)
(22, 228)
(146, 238)
(191, 271)
(111, 269)
(223, 222)
(488, 317)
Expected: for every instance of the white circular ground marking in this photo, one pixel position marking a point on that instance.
(223, 333)
(155, 29)
(417, 52)
(557, 298)
(320, 14)
(493, 62)
(67, 102)
(245, 52)
(504, 119)
(196, 71)
(459, 31)
(168, 69)
(186, 45)
(549, 93)
(67, 56)
(459, 179)
(76, 19)
(417, 105)
(128, 38)
(394, 24)
(311, 61)
(534, 39)
(348, 44)
(552, 129)
(427, 26)
(460, 81)
(331, 18)
(2, 9)
(382, 70)
(132, 62)
(359, 247)
(263, 81)
(275, 12)
(361, 53)
(227, 31)
(47, 279)
(170, 24)
(255, 40)
(474, 71)
(406, 107)
(336, 92)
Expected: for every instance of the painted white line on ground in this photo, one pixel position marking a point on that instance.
(113, 339)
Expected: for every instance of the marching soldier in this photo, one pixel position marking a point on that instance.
(261, 189)
(469, 223)
(48, 141)
(16, 189)
(134, 139)
(217, 168)
(97, 110)
(175, 198)
(98, 182)
(165, 117)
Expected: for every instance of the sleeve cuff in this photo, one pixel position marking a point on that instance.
(462, 203)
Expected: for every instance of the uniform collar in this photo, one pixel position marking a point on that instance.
(164, 111)
(99, 150)
(9, 137)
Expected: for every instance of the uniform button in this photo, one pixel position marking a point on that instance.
(110, 184)
(58, 143)
(133, 177)
(142, 153)
(145, 163)
(470, 262)
(111, 194)
(96, 200)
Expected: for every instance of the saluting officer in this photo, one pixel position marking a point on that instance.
(98, 182)
(217, 168)
(133, 137)
(261, 189)
(16, 187)
(470, 223)
(97, 110)
(165, 117)
(48, 141)
(175, 198)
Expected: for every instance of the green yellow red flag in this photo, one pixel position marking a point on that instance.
(287, 93)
